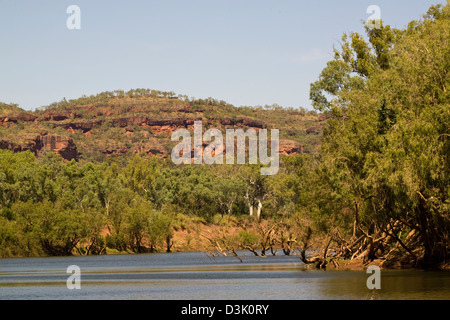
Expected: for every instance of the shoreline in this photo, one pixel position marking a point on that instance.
(341, 265)
(197, 236)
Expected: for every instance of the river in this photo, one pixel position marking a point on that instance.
(200, 276)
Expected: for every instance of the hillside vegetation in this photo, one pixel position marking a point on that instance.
(141, 121)
(367, 180)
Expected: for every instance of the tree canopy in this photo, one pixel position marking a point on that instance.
(387, 140)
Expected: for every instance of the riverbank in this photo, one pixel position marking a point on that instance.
(198, 236)
(239, 237)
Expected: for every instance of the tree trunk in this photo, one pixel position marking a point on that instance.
(169, 243)
(230, 208)
(259, 208)
(250, 205)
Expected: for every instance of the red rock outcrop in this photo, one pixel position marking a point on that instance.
(53, 115)
(14, 118)
(84, 126)
(290, 147)
(115, 149)
(146, 127)
(59, 144)
(23, 143)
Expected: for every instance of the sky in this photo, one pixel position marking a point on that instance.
(246, 52)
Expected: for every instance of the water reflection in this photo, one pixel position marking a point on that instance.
(195, 275)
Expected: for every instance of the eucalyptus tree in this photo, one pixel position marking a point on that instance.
(386, 142)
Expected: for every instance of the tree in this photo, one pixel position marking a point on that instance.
(137, 221)
(56, 230)
(256, 188)
(353, 64)
(141, 176)
(160, 229)
(386, 145)
(228, 188)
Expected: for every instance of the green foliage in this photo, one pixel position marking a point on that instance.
(161, 229)
(386, 118)
(248, 238)
(386, 146)
(56, 207)
(9, 108)
(382, 174)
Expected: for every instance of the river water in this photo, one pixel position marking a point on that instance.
(199, 276)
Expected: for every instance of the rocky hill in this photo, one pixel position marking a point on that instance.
(141, 121)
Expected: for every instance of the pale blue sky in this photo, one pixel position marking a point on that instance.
(246, 52)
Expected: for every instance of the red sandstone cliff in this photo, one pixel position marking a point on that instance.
(143, 130)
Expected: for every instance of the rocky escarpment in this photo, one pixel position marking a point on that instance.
(18, 117)
(290, 147)
(62, 145)
(30, 143)
(154, 122)
(130, 126)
